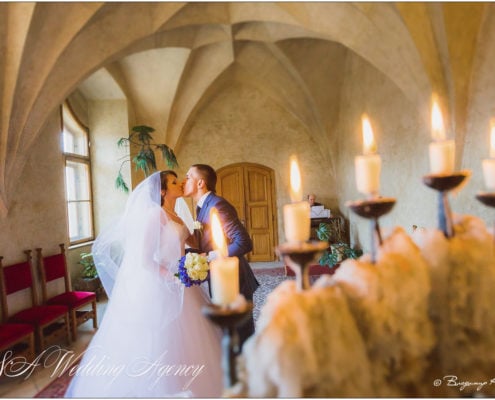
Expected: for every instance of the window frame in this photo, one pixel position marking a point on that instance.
(80, 159)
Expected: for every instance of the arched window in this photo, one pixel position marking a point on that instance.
(77, 178)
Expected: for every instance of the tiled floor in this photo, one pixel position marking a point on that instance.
(46, 369)
(39, 376)
(267, 265)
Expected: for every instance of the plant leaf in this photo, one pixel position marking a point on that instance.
(150, 158)
(144, 133)
(145, 161)
(139, 161)
(143, 128)
(169, 155)
(123, 142)
(324, 232)
(328, 258)
(120, 183)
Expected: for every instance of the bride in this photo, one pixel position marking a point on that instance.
(153, 340)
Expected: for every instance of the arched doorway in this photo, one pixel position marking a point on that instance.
(250, 188)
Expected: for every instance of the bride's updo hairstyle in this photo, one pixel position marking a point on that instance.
(163, 179)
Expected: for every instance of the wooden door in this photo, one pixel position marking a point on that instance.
(250, 189)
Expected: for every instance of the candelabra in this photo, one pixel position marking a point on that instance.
(443, 184)
(299, 257)
(228, 318)
(373, 209)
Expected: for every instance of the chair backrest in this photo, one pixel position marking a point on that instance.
(51, 268)
(14, 278)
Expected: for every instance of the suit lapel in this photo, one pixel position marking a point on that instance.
(205, 209)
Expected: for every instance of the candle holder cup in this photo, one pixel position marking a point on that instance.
(443, 184)
(373, 209)
(228, 318)
(299, 257)
(488, 199)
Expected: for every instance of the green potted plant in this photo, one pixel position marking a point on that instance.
(145, 159)
(338, 250)
(89, 280)
(89, 269)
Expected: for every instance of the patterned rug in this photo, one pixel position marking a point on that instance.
(55, 389)
(268, 279)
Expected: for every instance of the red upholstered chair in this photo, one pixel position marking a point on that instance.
(81, 305)
(49, 322)
(18, 338)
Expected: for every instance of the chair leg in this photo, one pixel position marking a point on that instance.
(73, 323)
(32, 351)
(67, 328)
(40, 339)
(95, 320)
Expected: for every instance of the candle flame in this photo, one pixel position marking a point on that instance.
(369, 144)
(437, 128)
(295, 180)
(219, 241)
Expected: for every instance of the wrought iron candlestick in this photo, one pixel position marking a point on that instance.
(228, 318)
(299, 257)
(373, 209)
(443, 184)
(488, 199)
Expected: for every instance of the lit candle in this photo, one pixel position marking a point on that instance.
(368, 165)
(224, 271)
(297, 214)
(442, 151)
(489, 163)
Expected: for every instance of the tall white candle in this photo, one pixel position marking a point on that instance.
(296, 215)
(441, 150)
(224, 278)
(489, 163)
(368, 166)
(224, 271)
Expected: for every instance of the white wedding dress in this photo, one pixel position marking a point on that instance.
(153, 340)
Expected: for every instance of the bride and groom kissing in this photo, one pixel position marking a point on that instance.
(152, 321)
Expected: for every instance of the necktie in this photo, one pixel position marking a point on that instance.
(198, 209)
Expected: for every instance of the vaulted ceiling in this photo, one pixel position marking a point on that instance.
(170, 59)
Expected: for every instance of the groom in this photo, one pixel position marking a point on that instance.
(200, 183)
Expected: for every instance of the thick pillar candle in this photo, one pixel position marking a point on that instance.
(224, 271)
(224, 279)
(297, 223)
(441, 150)
(368, 166)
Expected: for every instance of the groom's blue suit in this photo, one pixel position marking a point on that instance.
(238, 244)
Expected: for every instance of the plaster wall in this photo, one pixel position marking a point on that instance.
(242, 124)
(480, 114)
(108, 121)
(79, 106)
(37, 216)
(402, 136)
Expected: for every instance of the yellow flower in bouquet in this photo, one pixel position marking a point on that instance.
(193, 269)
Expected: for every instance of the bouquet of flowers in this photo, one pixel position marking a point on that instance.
(193, 269)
